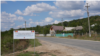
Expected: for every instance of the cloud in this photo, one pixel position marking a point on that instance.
(70, 5)
(67, 20)
(68, 9)
(18, 12)
(13, 0)
(2, 1)
(12, 24)
(45, 21)
(94, 8)
(56, 22)
(36, 23)
(8, 17)
(7, 25)
(48, 19)
(30, 19)
(8, 20)
(32, 0)
(94, 13)
(81, 18)
(94, 5)
(67, 14)
(20, 18)
(39, 7)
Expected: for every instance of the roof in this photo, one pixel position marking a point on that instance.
(79, 28)
(60, 28)
(69, 28)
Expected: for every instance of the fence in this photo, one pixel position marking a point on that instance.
(64, 35)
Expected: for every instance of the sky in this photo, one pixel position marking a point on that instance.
(15, 13)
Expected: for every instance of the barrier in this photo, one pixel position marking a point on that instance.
(64, 35)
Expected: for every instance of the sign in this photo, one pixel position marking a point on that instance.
(24, 34)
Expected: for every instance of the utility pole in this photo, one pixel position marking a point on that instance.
(62, 21)
(62, 24)
(88, 20)
(25, 25)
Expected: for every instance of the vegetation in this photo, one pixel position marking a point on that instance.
(37, 43)
(78, 22)
(36, 54)
(19, 44)
(28, 54)
(7, 36)
(84, 37)
(83, 22)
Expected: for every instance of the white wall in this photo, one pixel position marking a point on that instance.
(39, 34)
(42, 34)
(48, 35)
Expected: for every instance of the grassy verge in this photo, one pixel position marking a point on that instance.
(32, 54)
(28, 54)
(7, 44)
(84, 38)
(37, 43)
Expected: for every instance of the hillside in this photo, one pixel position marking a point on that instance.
(78, 22)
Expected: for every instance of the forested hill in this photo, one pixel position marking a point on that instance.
(84, 22)
(78, 22)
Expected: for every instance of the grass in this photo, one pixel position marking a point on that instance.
(37, 43)
(28, 54)
(7, 45)
(32, 53)
(84, 38)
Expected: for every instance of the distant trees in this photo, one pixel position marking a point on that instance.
(84, 22)
(77, 22)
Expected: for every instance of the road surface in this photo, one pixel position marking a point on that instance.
(93, 46)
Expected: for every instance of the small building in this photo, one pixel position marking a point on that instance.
(78, 28)
(53, 29)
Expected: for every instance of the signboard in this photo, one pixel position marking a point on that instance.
(24, 34)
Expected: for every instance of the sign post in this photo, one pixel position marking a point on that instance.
(24, 34)
(13, 47)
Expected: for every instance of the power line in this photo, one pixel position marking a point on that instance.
(88, 20)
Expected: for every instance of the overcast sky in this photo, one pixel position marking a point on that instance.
(15, 13)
